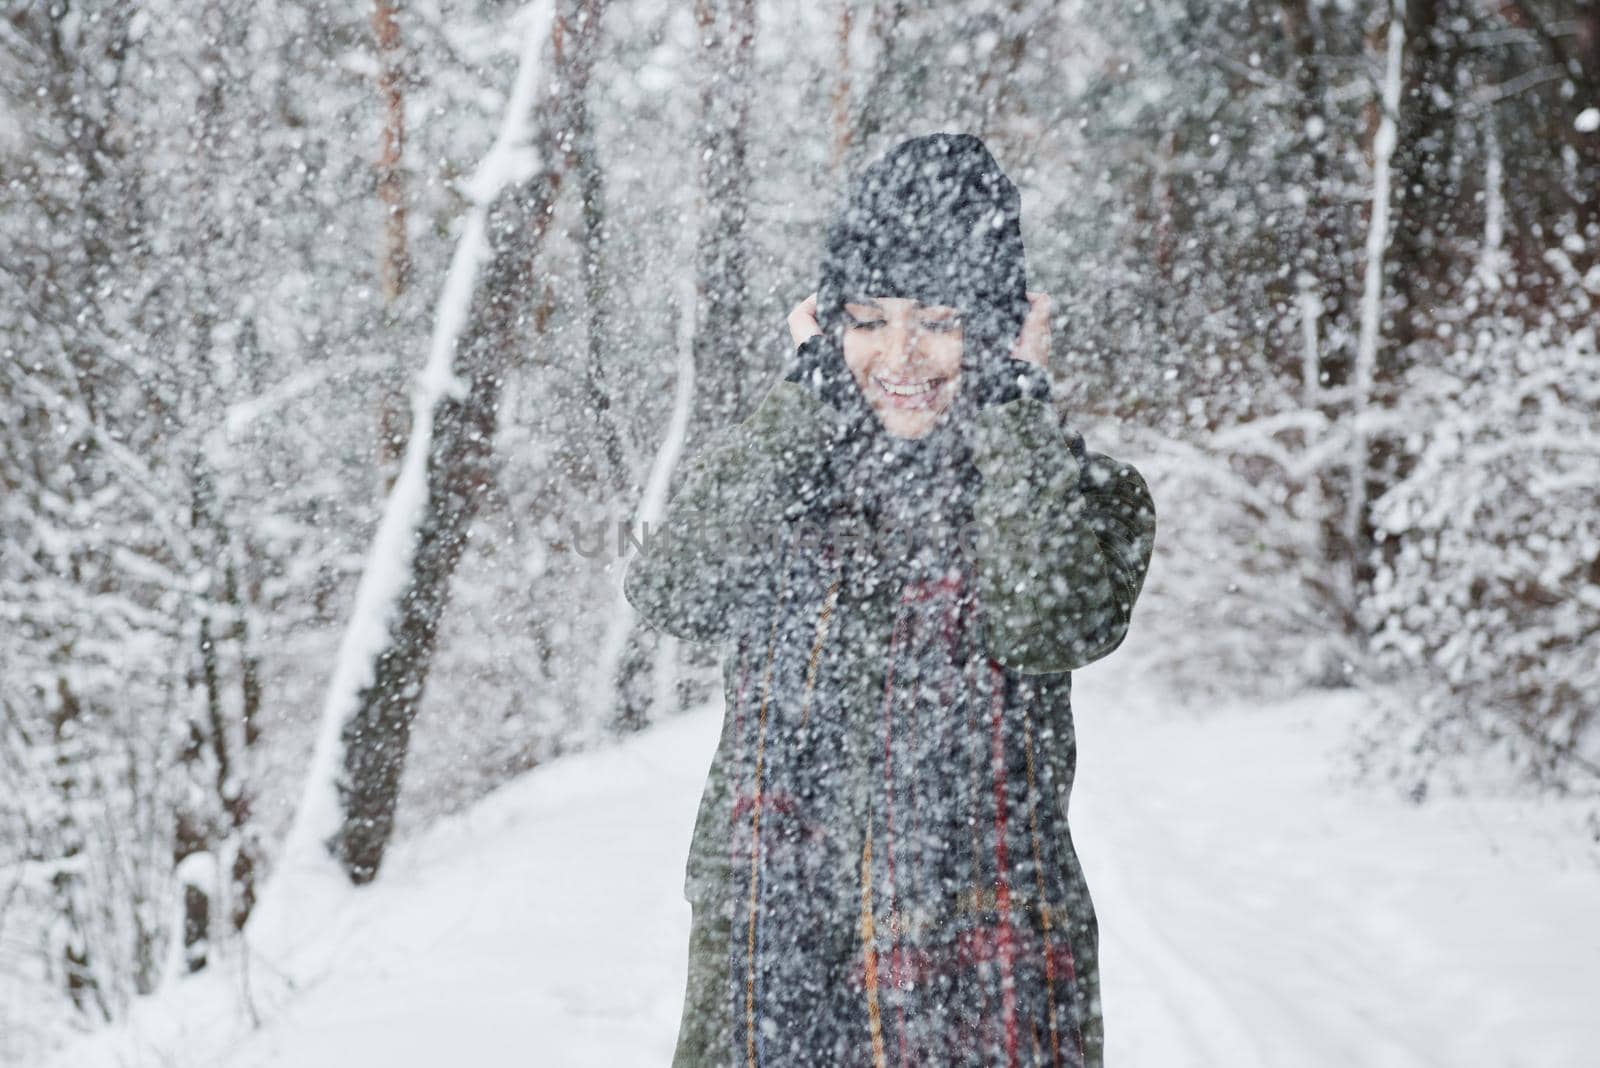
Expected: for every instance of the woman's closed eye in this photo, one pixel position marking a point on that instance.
(936, 326)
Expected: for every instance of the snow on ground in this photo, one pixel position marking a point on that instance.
(1253, 912)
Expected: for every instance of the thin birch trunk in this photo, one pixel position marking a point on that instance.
(1372, 292)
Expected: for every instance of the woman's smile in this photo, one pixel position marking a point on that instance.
(909, 393)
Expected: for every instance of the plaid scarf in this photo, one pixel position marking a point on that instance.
(896, 888)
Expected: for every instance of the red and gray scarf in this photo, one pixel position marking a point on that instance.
(897, 897)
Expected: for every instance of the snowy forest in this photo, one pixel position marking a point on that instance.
(328, 332)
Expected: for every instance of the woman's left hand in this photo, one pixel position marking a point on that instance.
(1033, 340)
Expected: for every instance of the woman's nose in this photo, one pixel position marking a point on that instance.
(900, 344)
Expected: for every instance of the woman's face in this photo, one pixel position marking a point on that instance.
(906, 359)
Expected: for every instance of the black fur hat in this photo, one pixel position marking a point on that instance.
(935, 219)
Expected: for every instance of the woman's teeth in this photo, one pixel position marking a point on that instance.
(909, 389)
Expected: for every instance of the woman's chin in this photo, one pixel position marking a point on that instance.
(909, 423)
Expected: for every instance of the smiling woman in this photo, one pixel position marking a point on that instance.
(881, 870)
(905, 357)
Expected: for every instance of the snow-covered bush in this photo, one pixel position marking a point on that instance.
(1240, 597)
(1490, 597)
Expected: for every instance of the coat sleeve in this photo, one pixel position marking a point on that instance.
(1065, 539)
(714, 552)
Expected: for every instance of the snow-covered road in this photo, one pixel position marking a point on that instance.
(1253, 912)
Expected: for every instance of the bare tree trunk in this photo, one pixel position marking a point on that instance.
(247, 843)
(1323, 249)
(352, 787)
(615, 693)
(1577, 51)
(376, 738)
(231, 745)
(80, 973)
(575, 60)
(192, 838)
(725, 335)
(839, 145)
(1324, 297)
(1419, 274)
(217, 822)
(396, 260)
(394, 254)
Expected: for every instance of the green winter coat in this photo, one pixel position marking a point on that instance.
(807, 944)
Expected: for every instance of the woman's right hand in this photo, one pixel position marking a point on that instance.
(817, 363)
(803, 321)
